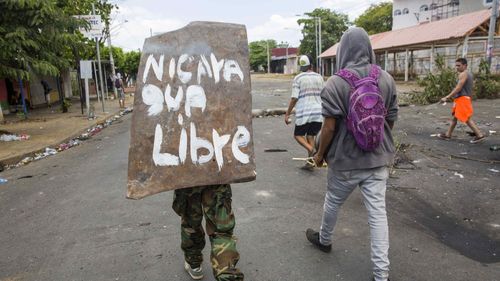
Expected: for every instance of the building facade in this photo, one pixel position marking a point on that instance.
(408, 13)
(284, 60)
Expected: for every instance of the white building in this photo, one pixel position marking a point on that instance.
(408, 13)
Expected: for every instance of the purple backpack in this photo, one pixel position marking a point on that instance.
(366, 116)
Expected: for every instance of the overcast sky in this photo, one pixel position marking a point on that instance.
(264, 19)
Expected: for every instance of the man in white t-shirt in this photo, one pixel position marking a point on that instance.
(306, 90)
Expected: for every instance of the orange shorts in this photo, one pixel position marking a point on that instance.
(462, 108)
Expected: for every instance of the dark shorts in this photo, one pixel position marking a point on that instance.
(309, 129)
(121, 93)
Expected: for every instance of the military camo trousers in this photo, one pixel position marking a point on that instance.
(214, 203)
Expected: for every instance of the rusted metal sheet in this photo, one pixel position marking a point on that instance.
(192, 120)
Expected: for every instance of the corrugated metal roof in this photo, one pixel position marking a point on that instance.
(281, 52)
(455, 27)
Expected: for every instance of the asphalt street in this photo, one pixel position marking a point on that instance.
(66, 218)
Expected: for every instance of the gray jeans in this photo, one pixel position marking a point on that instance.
(372, 183)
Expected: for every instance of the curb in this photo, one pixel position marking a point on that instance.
(16, 159)
(259, 113)
(256, 113)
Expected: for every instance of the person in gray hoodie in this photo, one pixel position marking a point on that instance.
(348, 165)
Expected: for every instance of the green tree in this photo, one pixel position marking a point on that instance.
(34, 37)
(376, 19)
(131, 64)
(258, 53)
(436, 85)
(333, 24)
(118, 55)
(40, 35)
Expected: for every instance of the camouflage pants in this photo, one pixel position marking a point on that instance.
(214, 202)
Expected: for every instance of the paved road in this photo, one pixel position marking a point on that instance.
(66, 218)
(270, 92)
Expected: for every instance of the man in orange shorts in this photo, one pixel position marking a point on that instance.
(462, 105)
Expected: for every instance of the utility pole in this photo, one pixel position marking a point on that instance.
(1, 115)
(320, 64)
(316, 39)
(268, 60)
(99, 63)
(112, 62)
(286, 60)
(491, 33)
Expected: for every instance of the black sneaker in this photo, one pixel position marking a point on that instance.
(313, 237)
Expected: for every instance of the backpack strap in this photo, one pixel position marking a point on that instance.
(374, 72)
(348, 76)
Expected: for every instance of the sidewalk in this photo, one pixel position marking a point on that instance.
(48, 127)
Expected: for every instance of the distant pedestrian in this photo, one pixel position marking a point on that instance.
(306, 89)
(120, 90)
(462, 105)
(46, 91)
(360, 108)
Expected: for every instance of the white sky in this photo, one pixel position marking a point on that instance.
(264, 19)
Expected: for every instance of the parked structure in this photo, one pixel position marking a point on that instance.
(284, 60)
(10, 93)
(61, 87)
(411, 51)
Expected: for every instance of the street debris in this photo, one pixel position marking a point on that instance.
(459, 175)
(2, 180)
(71, 143)
(275, 150)
(13, 137)
(495, 147)
(492, 132)
(494, 170)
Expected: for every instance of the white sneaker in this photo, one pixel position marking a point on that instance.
(195, 273)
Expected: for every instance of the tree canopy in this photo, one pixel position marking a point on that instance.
(40, 35)
(376, 19)
(333, 24)
(258, 53)
(131, 64)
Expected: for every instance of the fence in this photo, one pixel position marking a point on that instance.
(419, 60)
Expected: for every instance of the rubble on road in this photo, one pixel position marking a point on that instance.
(71, 143)
(13, 137)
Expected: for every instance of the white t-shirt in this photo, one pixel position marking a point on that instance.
(306, 88)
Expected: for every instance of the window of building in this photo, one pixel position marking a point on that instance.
(424, 8)
(454, 2)
(433, 6)
(487, 2)
(397, 12)
(406, 11)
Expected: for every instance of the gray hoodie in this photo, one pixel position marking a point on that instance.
(355, 53)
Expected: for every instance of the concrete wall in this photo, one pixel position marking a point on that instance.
(291, 66)
(469, 6)
(414, 15)
(417, 15)
(36, 89)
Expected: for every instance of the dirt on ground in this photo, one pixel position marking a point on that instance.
(449, 188)
(49, 126)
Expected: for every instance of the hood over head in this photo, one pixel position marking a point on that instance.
(355, 49)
